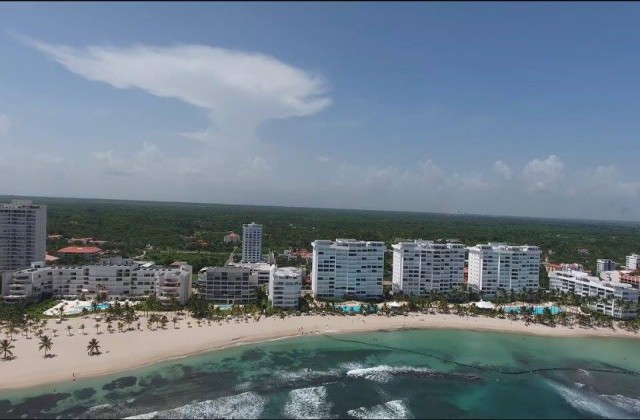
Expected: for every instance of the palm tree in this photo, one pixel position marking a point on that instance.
(199, 323)
(55, 331)
(120, 326)
(94, 306)
(5, 348)
(188, 324)
(46, 344)
(82, 327)
(175, 321)
(69, 328)
(138, 326)
(84, 312)
(93, 347)
(97, 328)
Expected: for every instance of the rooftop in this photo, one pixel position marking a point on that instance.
(79, 250)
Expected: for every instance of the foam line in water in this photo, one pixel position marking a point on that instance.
(308, 403)
(587, 403)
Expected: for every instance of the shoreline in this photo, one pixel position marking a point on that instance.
(119, 350)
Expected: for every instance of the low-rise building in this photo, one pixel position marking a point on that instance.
(231, 237)
(115, 277)
(285, 285)
(228, 285)
(618, 300)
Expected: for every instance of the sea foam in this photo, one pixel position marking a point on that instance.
(247, 405)
(308, 403)
(396, 409)
(591, 404)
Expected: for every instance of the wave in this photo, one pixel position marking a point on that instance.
(308, 403)
(629, 404)
(587, 403)
(396, 409)
(384, 373)
(247, 405)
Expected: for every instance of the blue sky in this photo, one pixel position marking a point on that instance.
(498, 108)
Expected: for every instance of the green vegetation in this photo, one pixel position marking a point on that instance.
(173, 229)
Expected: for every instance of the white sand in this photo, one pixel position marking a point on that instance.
(132, 349)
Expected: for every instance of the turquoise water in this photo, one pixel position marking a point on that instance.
(345, 308)
(399, 374)
(100, 307)
(537, 310)
(224, 307)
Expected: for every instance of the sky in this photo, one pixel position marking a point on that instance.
(518, 109)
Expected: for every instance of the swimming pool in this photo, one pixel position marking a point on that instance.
(78, 309)
(349, 308)
(537, 310)
(224, 307)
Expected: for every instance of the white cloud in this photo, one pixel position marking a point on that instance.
(5, 124)
(502, 169)
(239, 89)
(606, 181)
(543, 175)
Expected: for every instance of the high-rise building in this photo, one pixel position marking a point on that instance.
(498, 266)
(633, 262)
(347, 267)
(421, 266)
(23, 234)
(251, 243)
(284, 287)
(605, 264)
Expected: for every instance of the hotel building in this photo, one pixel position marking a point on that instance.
(228, 285)
(347, 268)
(633, 262)
(284, 287)
(116, 277)
(618, 300)
(420, 267)
(496, 266)
(251, 243)
(23, 234)
(605, 265)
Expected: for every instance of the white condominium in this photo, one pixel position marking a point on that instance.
(605, 265)
(618, 300)
(496, 266)
(421, 267)
(228, 285)
(633, 262)
(251, 243)
(347, 267)
(23, 234)
(117, 277)
(284, 287)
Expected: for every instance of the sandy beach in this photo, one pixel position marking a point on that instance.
(132, 349)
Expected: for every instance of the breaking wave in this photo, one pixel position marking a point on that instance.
(247, 405)
(632, 405)
(396, 409)
(384, 373)
(587, 403)
(308, 403)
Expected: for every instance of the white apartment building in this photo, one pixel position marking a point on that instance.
(633, 262)
(251, 243)
(117, 277)
(347, 267)
(285, 285)
(23, 234)
(605, 265)
(420, 267)
(228, 285)
(261, 271)
(496, 266)
(621, 298)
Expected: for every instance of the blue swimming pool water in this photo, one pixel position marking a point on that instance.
(537, 310)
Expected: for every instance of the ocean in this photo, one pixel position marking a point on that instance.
(400, 374)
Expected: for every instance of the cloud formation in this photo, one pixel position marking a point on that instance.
(543, 175)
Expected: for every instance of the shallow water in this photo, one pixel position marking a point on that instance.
(402, 374)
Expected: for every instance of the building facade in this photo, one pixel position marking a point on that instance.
(420, 267)
(496, 266)
(228, 285)
(251, 243)
(347, 268)
(23, 234)
(605, 264)
(116, 277)
(633, 262)
(285, 285)
(616, 299)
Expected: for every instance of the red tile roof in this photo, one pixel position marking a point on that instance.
(79, 250)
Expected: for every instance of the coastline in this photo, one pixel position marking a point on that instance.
(135, 349)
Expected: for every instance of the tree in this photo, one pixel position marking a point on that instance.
(94, 347)
(69, 328)
(46, 344)
(175, 321)
(5, 348)
(120, 326)
(82, 327)
(97, 328)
